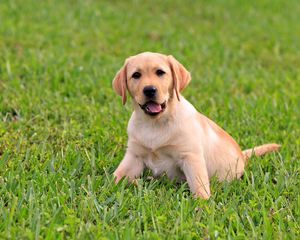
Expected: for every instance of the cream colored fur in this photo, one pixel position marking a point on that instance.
(180, 141)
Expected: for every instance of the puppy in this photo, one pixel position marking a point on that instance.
(166, 133)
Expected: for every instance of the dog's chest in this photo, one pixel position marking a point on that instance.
(151, 136)
(157, 144)
(162, 160)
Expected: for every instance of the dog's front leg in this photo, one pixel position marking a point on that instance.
(196, 174)
(130, 167)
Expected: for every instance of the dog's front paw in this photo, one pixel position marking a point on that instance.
(117, 176)
(202, 194)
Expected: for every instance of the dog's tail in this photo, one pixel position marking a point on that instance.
(260, 150)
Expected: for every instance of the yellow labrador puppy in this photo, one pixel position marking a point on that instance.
(166, 133)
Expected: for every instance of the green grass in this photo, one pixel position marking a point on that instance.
(63, 129)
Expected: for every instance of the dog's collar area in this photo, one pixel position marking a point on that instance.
(152, 108)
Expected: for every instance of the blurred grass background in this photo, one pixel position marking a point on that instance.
(63, 129)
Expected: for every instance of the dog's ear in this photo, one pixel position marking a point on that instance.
(120, 82)
(181, 76)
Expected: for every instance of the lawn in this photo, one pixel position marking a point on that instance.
(63, 129)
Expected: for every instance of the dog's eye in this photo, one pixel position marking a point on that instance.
(160, 72)
(136, 75)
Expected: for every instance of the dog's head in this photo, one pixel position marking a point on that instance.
(152, 80)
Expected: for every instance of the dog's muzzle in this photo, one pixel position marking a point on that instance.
(152, 108)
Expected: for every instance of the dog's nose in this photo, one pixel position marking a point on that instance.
(149, 91)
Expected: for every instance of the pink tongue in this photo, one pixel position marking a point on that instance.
(153, 107)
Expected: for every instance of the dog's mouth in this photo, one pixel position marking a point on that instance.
(152, 108)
